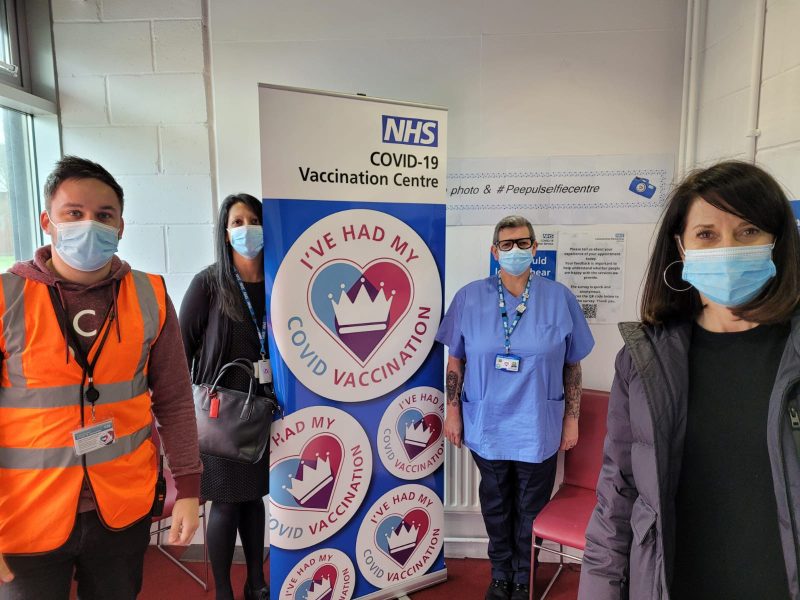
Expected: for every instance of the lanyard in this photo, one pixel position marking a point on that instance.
(262, 331)
(507, 331)
(88, 392)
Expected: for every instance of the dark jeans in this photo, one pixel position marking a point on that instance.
(512, 493)
(106, 564)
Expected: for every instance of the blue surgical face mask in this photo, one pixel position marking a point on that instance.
(247, 240)
(515, 261)
(85, 245)
(729, 276)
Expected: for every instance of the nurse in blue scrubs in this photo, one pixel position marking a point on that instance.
(515, 342)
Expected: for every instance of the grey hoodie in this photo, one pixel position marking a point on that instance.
(630, 540)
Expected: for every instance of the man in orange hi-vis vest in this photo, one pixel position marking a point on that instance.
(88, 347)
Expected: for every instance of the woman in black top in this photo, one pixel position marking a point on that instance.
(699, 495)
(218, 326)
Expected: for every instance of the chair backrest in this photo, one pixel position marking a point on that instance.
(582, 464)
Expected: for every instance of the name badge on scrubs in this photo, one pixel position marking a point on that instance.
(263, 370)
(91, 438)
(507, 362)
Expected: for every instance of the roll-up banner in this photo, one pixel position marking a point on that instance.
(354, 227)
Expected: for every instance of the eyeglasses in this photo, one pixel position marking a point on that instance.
(521, 243)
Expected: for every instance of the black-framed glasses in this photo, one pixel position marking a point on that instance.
(521, 243)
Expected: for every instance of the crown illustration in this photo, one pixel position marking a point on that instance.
(403, 538)
(318, 589)
(364, 314)
(311, 479)
(417, 434)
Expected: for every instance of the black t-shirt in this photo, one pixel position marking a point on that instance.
(728, 543)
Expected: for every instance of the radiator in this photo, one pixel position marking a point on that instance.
(461, 480)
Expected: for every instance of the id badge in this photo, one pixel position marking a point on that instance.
(263, 370)
(507, 362)
(91, 438)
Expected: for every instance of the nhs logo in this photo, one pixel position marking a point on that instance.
(416, 132)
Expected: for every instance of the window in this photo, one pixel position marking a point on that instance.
(29, 133)
(19, 204)
(10, 67)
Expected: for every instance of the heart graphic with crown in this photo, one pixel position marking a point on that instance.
(309, 479)
(320, 586)
(418, 431)
(359, 307)
(398, 536)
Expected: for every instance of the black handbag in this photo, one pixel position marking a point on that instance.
(231, 424)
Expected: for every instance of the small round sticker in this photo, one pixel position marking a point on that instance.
(401, 535)
(324, 574)
(320, 469)
(410, 439)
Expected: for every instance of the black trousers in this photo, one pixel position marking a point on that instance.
(106, 564)
(512, 493)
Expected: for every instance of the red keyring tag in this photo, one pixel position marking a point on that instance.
(213, 411)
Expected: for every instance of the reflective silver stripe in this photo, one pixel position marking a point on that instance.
(14, 326)
(148, 305)
(62, 458)
(68, 395)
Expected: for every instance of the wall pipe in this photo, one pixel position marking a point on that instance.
(755, 80)
(687, 58)
(698, 41)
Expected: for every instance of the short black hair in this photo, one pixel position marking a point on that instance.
(74, 167)
(751, 194)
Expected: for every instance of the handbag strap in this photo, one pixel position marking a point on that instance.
(246, 365)
(237, 364)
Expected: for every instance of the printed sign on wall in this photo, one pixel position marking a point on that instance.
(563, 190)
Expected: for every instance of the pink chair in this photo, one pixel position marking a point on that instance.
(162, 525)
(564, 519)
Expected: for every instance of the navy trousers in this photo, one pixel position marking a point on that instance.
(107, 564)
(512, 493)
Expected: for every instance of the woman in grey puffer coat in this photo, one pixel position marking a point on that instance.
(699, 494)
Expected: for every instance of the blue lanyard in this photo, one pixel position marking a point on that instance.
(262, 331)
(507, 331)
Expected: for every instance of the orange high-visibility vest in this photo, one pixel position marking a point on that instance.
(40, 474)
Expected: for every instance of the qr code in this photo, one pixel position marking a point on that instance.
(589, 311)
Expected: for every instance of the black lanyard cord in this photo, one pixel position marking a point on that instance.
(89, 393)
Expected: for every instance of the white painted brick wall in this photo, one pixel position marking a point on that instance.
(176, 44)
(83, 100)
(76, 10)
(132, 150)
(143, 247)
(779, 118)
(157, 99)
(102, 48)
(133, 98)
(184, 149)
(725, 87)
(168, 199)
(198, 237)
(151, 9)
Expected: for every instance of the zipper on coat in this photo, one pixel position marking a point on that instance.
(794, 421)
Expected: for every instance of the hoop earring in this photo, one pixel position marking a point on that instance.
(667, 282)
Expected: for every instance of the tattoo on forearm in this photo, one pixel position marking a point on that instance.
(454, 382)
(572, 390)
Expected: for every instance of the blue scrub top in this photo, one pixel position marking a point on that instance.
(515, 416)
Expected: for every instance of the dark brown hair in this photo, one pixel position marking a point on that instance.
(73, 167)
(751, 194)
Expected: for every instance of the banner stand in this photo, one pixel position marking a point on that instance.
(354, 227)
